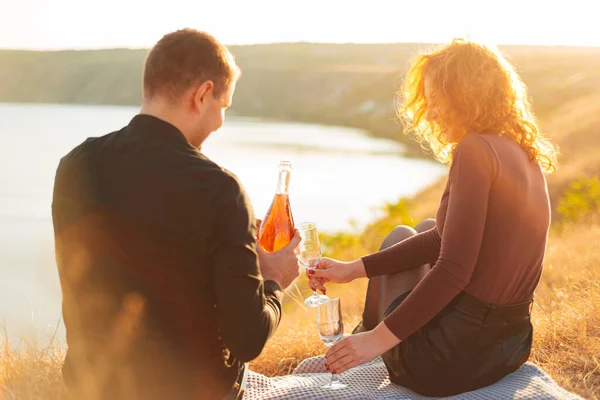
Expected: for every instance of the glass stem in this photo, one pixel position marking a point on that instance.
(315, 294)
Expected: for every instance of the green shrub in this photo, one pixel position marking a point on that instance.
(580, 201)
(350, 246)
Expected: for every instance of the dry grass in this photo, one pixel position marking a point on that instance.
(566, 317)
(31, 373)
(567, 313)
(297, 338)
(566, 322)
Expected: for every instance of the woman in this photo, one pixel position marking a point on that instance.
(465, 323)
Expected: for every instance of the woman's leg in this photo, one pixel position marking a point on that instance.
(382, 290)
(425, 225)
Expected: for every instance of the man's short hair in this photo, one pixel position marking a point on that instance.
(185, 57)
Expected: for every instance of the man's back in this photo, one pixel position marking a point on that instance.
(147, 234)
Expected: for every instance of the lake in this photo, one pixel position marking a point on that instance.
(339, 175)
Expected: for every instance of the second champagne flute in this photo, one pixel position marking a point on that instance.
(331, 330)
(309, 255)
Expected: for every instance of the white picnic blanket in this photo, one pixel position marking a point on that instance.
(371, 381)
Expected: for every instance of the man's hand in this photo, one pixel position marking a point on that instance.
(280, 266)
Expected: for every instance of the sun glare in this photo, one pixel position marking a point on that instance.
(266, 21)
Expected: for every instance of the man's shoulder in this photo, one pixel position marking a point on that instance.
(88, 147)
(223, 187)
(223, 176)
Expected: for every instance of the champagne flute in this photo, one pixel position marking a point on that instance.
(331, 330)
(309, 255)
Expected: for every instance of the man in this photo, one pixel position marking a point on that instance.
(156, 245)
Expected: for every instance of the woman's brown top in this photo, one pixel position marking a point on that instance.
(490, 238)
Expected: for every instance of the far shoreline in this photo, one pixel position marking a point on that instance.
(411, 149)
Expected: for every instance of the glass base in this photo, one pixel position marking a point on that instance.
(335, 385)
(316, 300)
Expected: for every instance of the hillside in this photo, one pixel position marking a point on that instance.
(343, 84)
(354, 85)
(571, 117)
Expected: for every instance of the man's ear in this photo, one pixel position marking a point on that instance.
(201, 94)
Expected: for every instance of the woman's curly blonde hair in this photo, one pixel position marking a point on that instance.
(474, 90)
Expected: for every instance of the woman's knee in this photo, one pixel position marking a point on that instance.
(425, 225)
(398, 234)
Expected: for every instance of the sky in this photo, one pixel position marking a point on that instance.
(84, 24)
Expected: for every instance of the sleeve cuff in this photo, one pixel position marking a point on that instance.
(391, 328)
(367, 263)
(273, 287)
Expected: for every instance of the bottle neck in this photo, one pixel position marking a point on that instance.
(283, 184)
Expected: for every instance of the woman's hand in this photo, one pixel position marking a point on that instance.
(360, 348)
(334, 271)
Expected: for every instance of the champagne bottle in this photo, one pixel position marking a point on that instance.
(277, 228)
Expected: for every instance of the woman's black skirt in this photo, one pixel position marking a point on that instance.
(468, 345)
